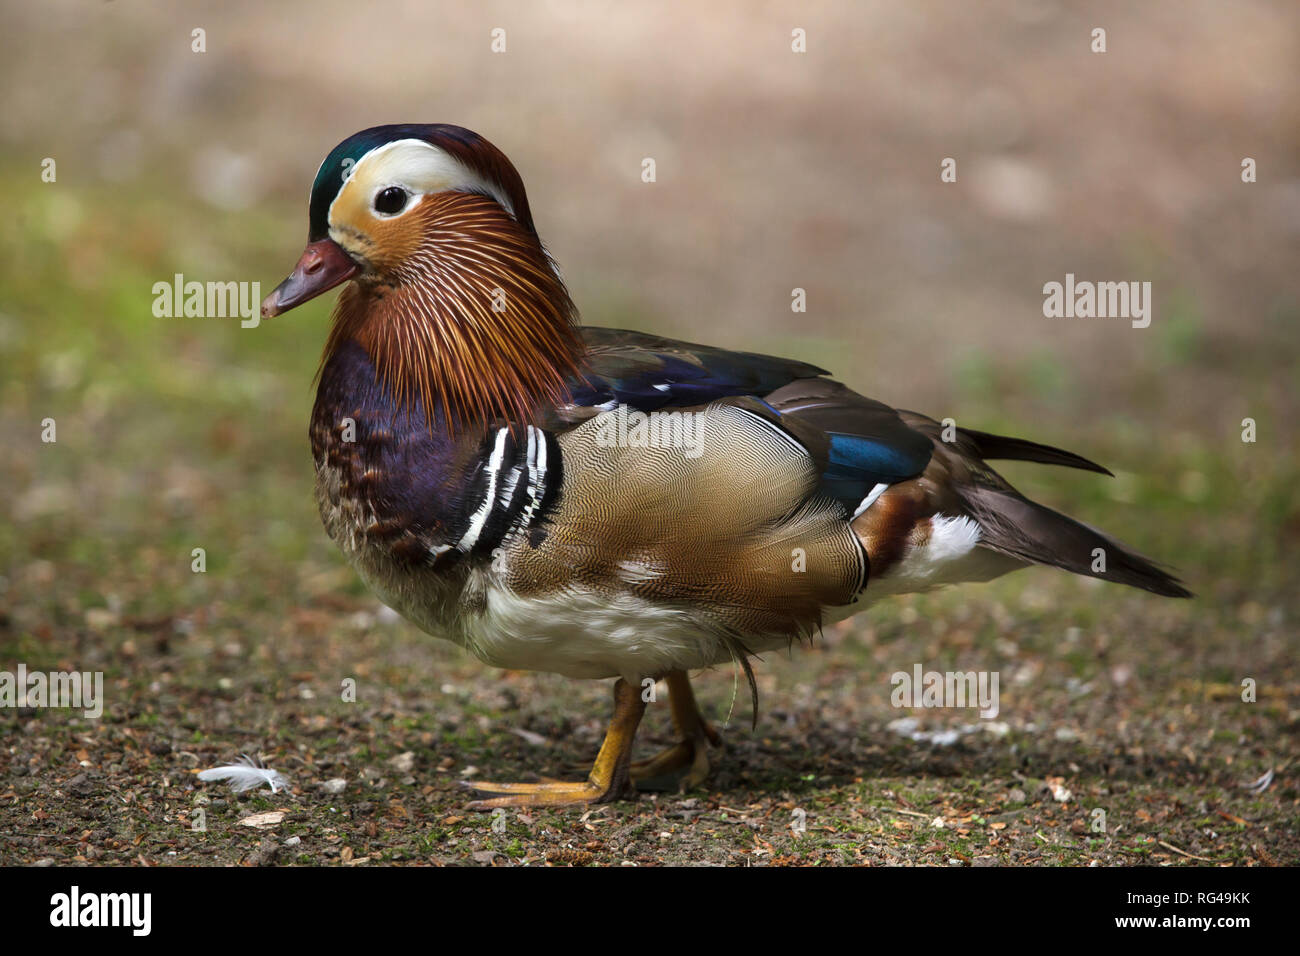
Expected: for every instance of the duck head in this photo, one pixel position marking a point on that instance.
(450, 290)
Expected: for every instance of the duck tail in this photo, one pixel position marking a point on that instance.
(1011, 524)
(991, 447)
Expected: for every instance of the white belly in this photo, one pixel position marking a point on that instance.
(589, 634)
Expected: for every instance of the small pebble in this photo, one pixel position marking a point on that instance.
(403, 763)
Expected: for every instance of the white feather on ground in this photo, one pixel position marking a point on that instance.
(247, 774)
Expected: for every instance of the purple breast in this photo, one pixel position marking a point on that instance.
(408, 480)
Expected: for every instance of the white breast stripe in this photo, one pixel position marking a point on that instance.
(508, 486)
(539, 479)
(530, 460)
(870, 499)
(480, 516)
(536, 475)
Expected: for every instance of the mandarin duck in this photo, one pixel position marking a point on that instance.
(601, 503)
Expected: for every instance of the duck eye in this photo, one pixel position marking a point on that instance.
(390, 200)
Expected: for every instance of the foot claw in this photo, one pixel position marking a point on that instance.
(690, 755)
(546, 794)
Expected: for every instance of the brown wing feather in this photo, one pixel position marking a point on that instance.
(735, 532)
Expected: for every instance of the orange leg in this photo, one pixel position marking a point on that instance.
(609, 778)
(691, 750)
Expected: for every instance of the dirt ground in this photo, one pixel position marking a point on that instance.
(1151, 731)
(1123, 736)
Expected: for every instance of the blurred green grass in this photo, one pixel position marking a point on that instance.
(173, 433)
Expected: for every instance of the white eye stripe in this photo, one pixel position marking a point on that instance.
(418, 167)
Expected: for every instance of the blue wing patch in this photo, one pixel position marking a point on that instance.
(858, 463)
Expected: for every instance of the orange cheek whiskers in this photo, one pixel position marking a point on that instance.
(476, 323)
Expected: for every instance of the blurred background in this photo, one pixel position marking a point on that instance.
(775, 170)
